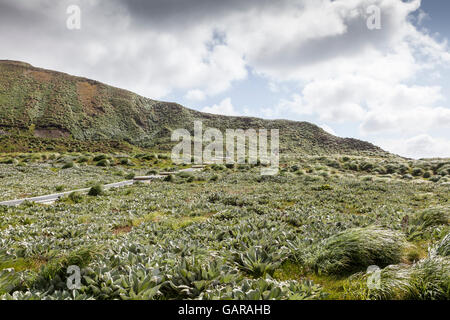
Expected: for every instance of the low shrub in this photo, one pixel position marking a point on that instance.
(68, 165)
(217, 167)
(417, 172)
(184, 174)
(75, 197)
(11, 161)
(58, 266)
(324, 187)
(431, 217)
(230, 165)
(130, 176)
(103, 163)
(351, 166)
(125, 161)
(100, 157)
(427, 174)
(96, 190)
(366, 166)
(83, 159)
(169, 178)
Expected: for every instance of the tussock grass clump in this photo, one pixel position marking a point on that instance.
(427, 279)
(170, 178)
(58, 266)
(130, 176)
(75, 197)
(82, 159)
(432, 217)
(417, 172)
(96, 190)
(103, 163)
(68, 164)
(10, 161)
(355, 249)
(125, 161)
(393, 285)
(443, 248)
(184, 175)
(100, 157)
(429, 222)
(430, 279)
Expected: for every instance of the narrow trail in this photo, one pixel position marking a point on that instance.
(46, 199)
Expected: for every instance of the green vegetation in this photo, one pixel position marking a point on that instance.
(227, 232)
(43, 110)
(44, 173)
(96, 190)
(355, 249)
(427, 279)
(68, 165)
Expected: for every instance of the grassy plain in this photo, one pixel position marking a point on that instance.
(227, 232)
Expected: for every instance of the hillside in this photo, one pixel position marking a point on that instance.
(48, 110)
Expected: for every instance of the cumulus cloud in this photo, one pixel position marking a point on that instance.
(195, 94)
(224, 107)
(420, 119)
(377, 105)
(114, 47)
(420, 146)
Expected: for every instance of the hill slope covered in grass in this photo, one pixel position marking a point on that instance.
(48, 110)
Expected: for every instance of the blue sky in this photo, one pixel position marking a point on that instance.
(306, 60)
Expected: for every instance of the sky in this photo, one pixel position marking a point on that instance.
(381, 78)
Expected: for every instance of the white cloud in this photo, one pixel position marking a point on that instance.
(224, 108)
(419, 119)
(377, 105)
(327, 128)
(274, 87)
(422, 16)
(196, 95)
(421, 146)
(113, 48)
